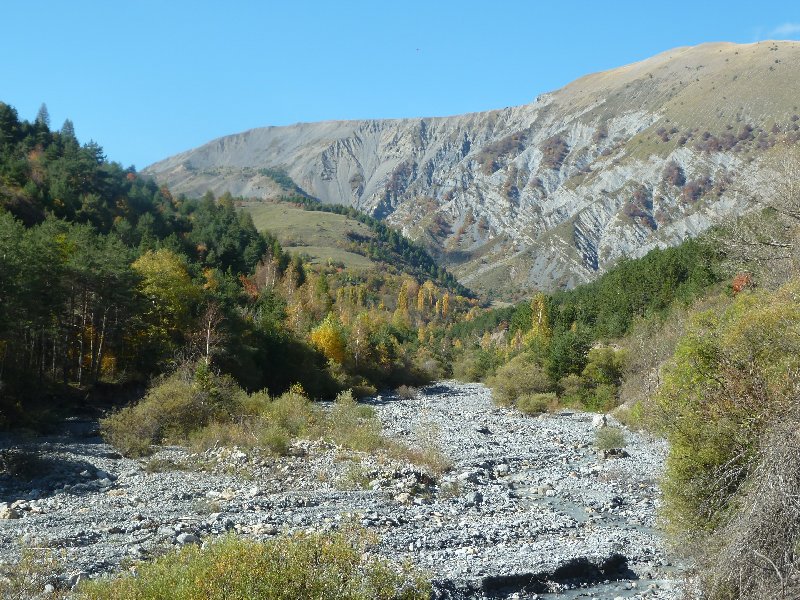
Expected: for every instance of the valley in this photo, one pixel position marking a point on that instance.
(548, 351)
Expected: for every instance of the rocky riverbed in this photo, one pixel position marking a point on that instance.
(529, 509)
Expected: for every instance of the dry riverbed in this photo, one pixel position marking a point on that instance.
(528, 509)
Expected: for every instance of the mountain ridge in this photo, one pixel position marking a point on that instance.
(547, 194)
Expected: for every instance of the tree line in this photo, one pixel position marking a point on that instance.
(106, 277)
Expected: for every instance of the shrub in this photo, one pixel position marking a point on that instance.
(354, 425)
(407, 392)
(224, 434)
(572, 389)
(519, 376)
(632, 415)
(28, 575)
(603, 398)
(426, 451)
(673, 174)
(755, 552)
(554, 151)
(476, 364)
(609, 438)
(173, 408)
(731, 373)
(275, 439)
(604, 365)
(292, 412)
(334, 566)
(532, 404)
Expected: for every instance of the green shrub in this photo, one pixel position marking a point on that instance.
(275, 439)
(632, 415)
(173, 408)
(354, 425)
(216, 433)
(732, 374)
(163, 465)
(292, 412)
(604, 365)
(602, 398)
(532, 404)
(476, 364)
(609, 438)
(26, 577)
(333, 566)
(521, 375)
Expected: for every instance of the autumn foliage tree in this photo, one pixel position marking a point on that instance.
(329, 338)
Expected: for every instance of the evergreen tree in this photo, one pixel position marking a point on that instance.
(43, 116)
(68, 131)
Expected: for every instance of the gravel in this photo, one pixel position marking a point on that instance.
(529, 508)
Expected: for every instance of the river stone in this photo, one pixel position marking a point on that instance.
(187, 538)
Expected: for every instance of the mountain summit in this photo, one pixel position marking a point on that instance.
(551, 193)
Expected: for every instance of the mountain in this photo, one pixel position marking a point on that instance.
(548, 194)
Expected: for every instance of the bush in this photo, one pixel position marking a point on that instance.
(609, 438)
(755, 552)
(354, 425)
(275, 439)
(604, 365)
(407, 392)
(173, 408)
(333, 566)
(292, 412)
(733, 372)
(27, 576)
(532, 404)
(475, 364)
(519, 376)
(206, 410)
(632, 415)
(215, 434)
(603, 398)
(572, 389)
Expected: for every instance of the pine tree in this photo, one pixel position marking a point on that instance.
(68, 129)
(43, 116)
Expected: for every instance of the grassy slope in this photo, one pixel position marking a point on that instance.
(320, 235)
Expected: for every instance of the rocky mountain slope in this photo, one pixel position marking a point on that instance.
(550, 193)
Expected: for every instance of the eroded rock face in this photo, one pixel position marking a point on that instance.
(550, 193)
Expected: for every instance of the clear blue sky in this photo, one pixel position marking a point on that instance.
(147, 79)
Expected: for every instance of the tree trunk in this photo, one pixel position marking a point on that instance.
(100, 346)
(81, 341)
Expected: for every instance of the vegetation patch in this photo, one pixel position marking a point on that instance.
(335, 566)
(609, 438)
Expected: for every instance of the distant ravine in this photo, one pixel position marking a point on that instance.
(528, 510)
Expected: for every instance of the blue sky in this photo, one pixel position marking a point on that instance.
(148, 79)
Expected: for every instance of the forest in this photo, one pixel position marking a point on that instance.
(107, 280)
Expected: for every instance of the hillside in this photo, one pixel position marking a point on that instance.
(321, 236)
(548, 194)
(335, 236)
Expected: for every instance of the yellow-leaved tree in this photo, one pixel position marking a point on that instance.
(170, 296)
(329, 339)
(540, 331)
